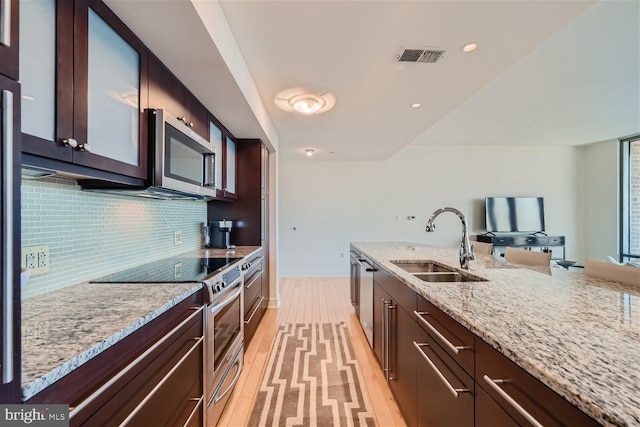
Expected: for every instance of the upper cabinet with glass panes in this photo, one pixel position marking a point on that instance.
(226, 160)
(83, 105)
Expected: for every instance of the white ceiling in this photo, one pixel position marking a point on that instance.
(545, 72)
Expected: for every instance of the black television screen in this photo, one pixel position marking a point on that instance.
(514, 214)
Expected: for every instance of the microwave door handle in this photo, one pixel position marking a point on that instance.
(209, 170)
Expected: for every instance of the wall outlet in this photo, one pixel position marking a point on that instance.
(177, 238)
(36, 259)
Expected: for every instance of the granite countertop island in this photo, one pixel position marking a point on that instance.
(578, 335)
(63, 329)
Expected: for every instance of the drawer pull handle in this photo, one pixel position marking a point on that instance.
(258, 305)
(494, 385)
(161, 383)
(455, 349)
(253, 280)
(455, 391)
(195, 409)
(131, 365)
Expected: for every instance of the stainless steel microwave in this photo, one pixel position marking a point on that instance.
(181, 163)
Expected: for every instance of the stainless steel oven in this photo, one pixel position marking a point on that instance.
(224, 340)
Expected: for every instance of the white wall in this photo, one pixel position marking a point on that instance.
(330, 204)
(600, 199)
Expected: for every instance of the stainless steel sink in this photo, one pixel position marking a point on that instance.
(447, 277)
(431, 271)
(423, 267)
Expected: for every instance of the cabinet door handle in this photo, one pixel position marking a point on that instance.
(390, 307)
(455, 391)
(70, 142)
(385, 344)
(510, 400)
(5, 30)
(455, 349)
(7, 234)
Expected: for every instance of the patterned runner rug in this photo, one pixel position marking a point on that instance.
(312, 379)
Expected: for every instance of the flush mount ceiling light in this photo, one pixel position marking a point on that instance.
(309, 152)
(304, 102)
(415, 105)
(470, 47)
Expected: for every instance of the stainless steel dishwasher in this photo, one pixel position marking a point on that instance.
(366, 270)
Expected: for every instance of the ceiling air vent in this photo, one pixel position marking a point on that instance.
(420, 55)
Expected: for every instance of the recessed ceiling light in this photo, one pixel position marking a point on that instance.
(470, 47)
(309, 152)
(416, 105)
(304, 102)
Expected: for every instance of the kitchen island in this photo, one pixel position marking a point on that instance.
(579, 336)
(64, 329)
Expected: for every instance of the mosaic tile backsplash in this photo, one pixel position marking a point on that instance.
(91, 235)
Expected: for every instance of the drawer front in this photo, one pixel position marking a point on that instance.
(454, 339)
(252, 292)
(252, 320)
(399, 291)
(445, 391)
(489, 413)
(146, 379)
(521, 395)
(179, 386)
(255, 269)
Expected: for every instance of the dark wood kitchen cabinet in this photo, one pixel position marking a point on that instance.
(168, 93)
(519, 395)
(226, 160)
(85, 87)
(10, 309)
(9, 42)
(250, 211)
(394, 348)
(152, 377)
(445, 391)
(441, 374)
(253, 297)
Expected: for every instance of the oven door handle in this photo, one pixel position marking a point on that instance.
(219, 396)
(217, 307)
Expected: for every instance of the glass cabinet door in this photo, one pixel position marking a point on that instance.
(113, 119)
(230, 161)
(215, 136)
(9, 22)
(38, 68)
(47, 84)
(110, 92)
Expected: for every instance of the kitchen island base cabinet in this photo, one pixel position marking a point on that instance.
(393, 345)
(445, 391)
(522, 396)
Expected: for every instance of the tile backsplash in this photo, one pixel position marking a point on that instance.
(92, 234)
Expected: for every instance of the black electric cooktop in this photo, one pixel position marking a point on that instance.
(170, 270)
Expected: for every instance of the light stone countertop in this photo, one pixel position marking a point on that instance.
(63, 329)
(577, 334)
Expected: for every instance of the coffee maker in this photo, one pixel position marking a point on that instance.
(219, 232)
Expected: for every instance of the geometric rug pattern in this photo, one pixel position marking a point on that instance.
(312, 379)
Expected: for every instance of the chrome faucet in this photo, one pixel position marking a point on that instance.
(466, 250)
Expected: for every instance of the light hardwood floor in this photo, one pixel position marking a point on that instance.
(304, 300)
